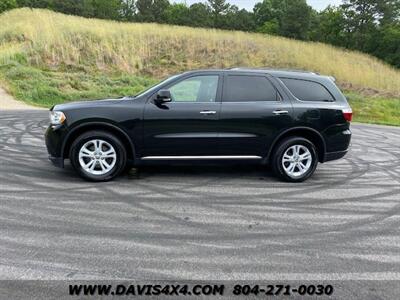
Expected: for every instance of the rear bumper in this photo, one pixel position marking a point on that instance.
(338, 143)
(57, 161)
(334, 155)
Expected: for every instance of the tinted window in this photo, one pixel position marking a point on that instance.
(195, 89)
(307, 90)
(249, 88)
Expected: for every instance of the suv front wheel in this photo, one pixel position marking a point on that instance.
(295, 159)
(98, 156)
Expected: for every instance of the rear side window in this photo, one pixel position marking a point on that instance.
(307, 90)
(240, 88)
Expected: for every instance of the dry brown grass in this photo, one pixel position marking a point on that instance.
(45, 39)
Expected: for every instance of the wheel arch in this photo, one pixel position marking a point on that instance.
(306, 132)
(103, 126)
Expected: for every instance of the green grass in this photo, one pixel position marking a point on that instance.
(375, 110)
(46, 87)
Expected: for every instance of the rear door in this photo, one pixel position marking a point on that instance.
(254, 110)
(186, 126)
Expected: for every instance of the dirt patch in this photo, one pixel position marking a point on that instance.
(368, 92)
(7, 102)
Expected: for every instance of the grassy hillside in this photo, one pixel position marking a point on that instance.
(47, 58)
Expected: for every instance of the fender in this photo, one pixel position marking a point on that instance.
(294, 129)
(104, 124)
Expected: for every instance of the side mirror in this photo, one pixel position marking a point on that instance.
(163, 96)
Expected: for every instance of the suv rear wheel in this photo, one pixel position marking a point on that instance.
(98, 156)
(295, 159)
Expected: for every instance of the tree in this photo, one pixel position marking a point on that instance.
(236, 19)
(178, 14)
(7, 5)
(107, 9)
(244, 21)
(269, 27)
(389, 11)
(295, 19)
(71, 7)
(151, 10)
(218, 8)
(361, 17)
(264, 12)
(35, 3)
(292, 16)
(128, 10)
(200, 15)
(330, 27)
(389, 44)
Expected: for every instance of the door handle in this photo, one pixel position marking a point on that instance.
(208, 112)
(280, 112)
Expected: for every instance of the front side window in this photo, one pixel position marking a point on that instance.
(240, 88)
(307, 90)
(195, 89)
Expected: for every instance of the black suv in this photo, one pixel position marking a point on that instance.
(289, 119)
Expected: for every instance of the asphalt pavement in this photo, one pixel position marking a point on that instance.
(199, 223)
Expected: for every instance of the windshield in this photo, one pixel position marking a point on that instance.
(156, 86)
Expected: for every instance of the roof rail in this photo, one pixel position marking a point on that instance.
(272, 69)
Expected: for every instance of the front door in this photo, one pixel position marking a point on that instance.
(186, 126)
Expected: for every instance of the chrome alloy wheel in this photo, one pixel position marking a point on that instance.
(97, 157)
(296, 161)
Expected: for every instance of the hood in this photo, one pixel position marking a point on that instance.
(87, 104)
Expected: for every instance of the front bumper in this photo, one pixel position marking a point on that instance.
(54, 138)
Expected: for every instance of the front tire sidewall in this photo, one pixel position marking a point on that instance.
(277, 159)
(119, 149)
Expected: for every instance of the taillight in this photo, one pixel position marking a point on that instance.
(347, 114)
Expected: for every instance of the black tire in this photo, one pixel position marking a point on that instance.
(119, 148)
(282, 147)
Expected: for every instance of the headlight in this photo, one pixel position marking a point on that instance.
(57, 117)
